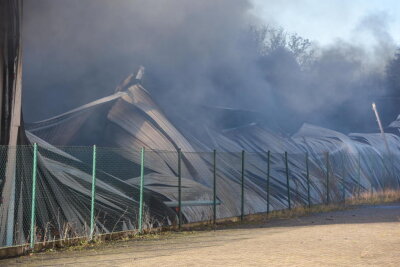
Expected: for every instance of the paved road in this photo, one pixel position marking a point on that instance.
(368, 235)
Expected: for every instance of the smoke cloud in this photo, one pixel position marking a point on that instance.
(195, 53)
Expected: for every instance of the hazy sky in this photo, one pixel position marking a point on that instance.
(326, 20)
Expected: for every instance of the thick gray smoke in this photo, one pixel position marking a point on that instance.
(195, 52)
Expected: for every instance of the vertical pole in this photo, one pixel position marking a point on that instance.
(93, 193)
(179, 189)
(268, 178)
(33, 207)
(242, 195)
(359, 175)
(343, 180)
(308, 181)
(215, 187)
(287, 180)
(327, 178)
(141, 190)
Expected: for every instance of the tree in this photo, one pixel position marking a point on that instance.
(270, 39)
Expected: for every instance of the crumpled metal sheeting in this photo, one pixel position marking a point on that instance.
(371, 154)
(142, 100)
(396, 123)
(69, 129)
(134, 121)
(255, 138)
(191, 191)
(64, 192)
(374, 159)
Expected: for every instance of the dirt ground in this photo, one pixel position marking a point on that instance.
(368, 235)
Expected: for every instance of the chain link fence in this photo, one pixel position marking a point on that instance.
(55, 193)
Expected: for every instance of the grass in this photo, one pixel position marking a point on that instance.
(365, 198)
(373, 198)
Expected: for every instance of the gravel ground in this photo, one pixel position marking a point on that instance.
(367, 235)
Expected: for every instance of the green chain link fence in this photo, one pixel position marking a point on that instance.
(58, 193)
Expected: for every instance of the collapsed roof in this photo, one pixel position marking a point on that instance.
(129, 120)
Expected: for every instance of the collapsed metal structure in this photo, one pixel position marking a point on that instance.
(128, 120)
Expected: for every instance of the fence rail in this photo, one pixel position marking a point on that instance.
(53, 193)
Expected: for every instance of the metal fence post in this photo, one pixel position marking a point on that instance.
(343, 180)
(268, 178)
(92, 224)
(359, 175)
(33, 207)
(141, 190)
(287, 180)
(242, 195)
(308, 181)
(215, 187)
(327, 178)
(179, 189)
